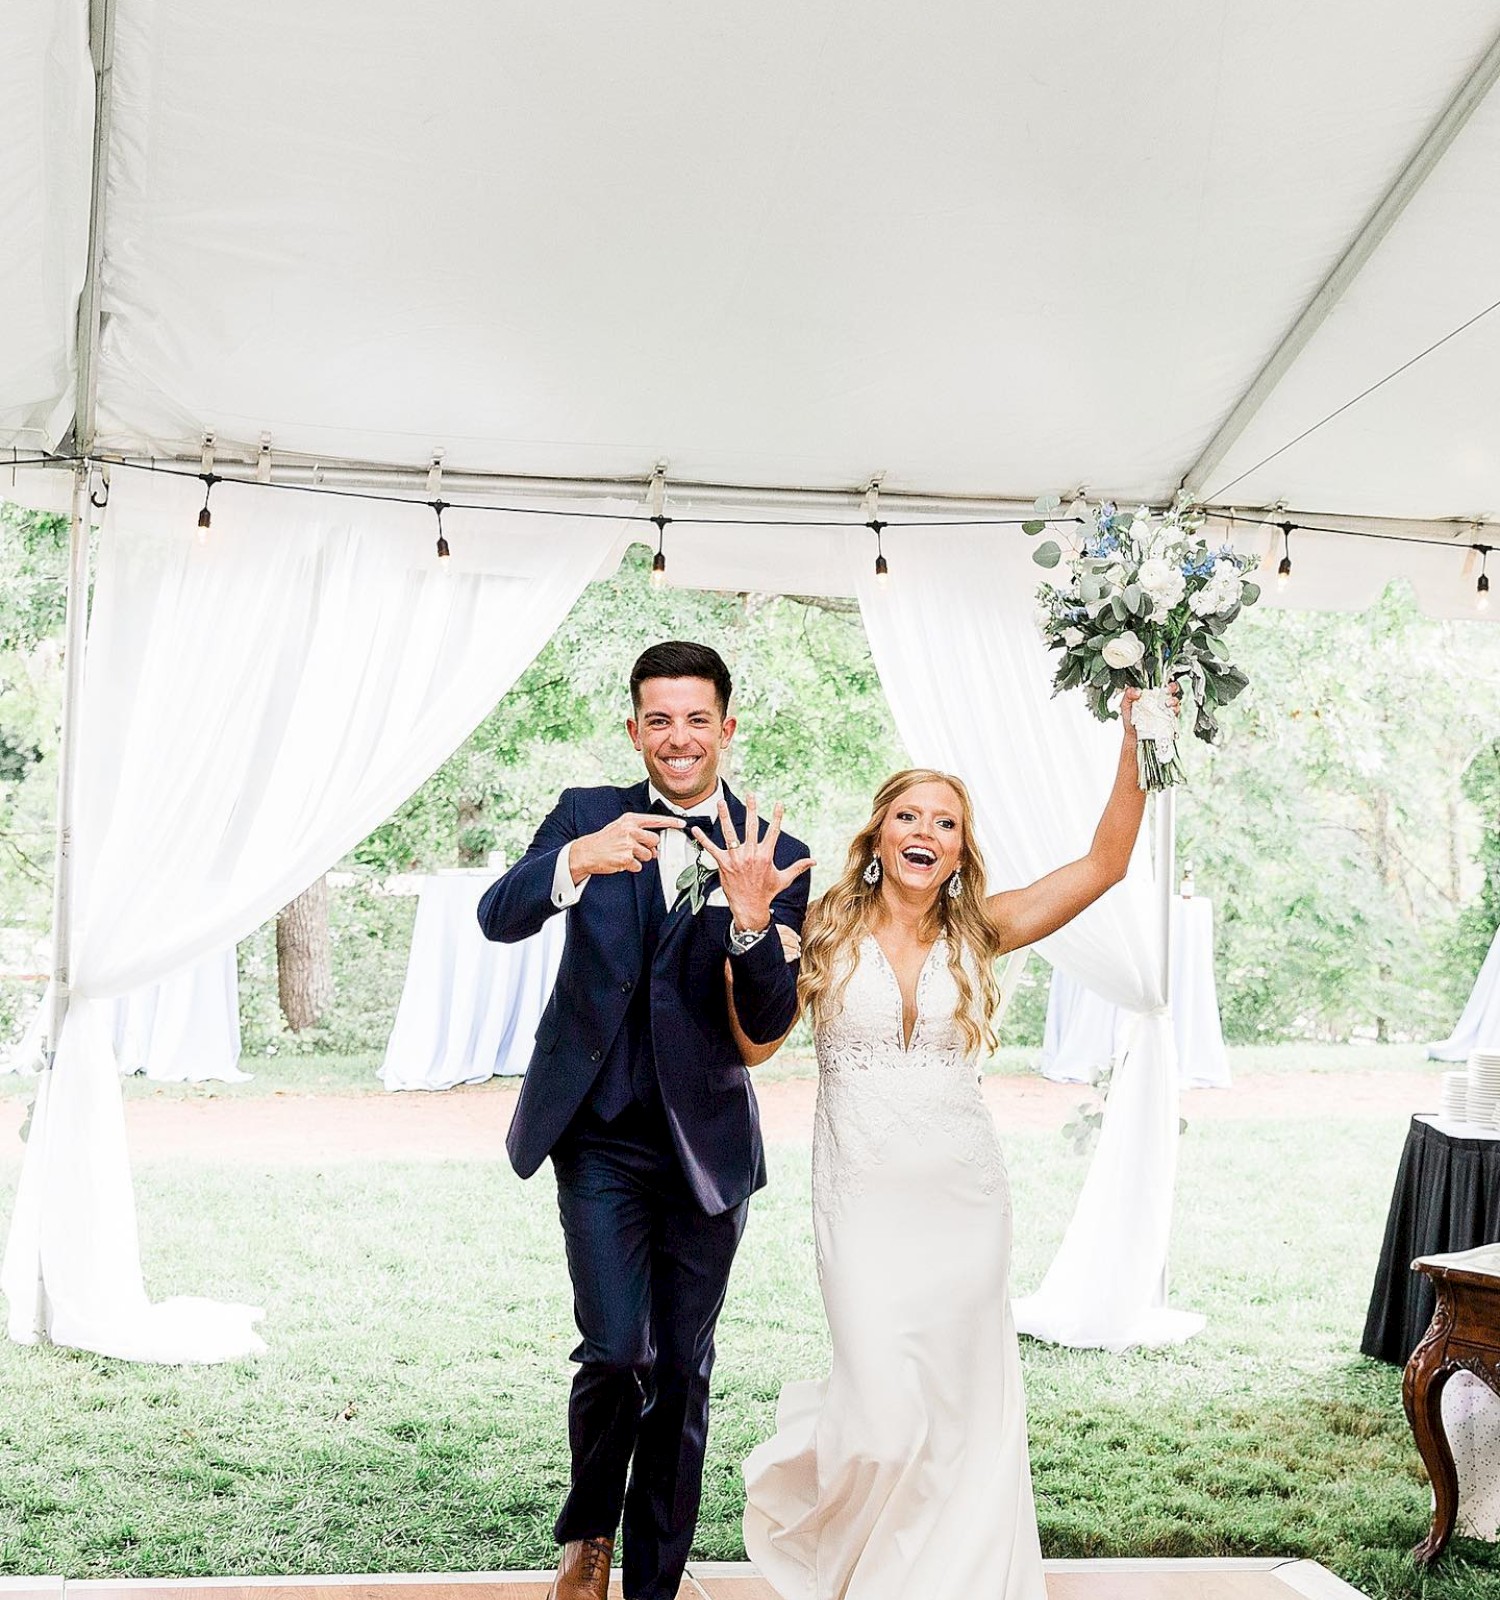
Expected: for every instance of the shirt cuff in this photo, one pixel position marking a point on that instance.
(739, 942)
(565, 892)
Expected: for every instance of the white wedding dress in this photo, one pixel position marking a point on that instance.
(904, 1474)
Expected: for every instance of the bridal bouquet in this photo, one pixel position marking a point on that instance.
(1146, 604)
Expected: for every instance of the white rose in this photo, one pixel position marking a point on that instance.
(1162, 582)
(1123, 651)
(1220, 593)
(1072, 637)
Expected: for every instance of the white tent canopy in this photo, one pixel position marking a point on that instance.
(975, 254)
(983, 251)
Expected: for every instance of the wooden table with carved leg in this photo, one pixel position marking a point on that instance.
(1463, 1336)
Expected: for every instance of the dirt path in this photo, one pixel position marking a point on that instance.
(468, 1125)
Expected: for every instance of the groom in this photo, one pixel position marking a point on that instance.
(638, 1091)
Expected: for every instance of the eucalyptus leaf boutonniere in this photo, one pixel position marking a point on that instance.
(693, 880)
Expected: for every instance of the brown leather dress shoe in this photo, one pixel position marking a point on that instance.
(583, 1571)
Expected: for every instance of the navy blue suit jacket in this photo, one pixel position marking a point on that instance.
(705, 1087)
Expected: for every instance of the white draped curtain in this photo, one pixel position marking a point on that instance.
(254, 704)
(969, 683)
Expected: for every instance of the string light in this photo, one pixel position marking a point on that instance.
(205, 516)
(209, 478)
(1482, 588)
(440, 506)
(877, 527)
(659, 560)
(1284, 569)
(657, 494)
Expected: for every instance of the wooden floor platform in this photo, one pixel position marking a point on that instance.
(1066, 1580)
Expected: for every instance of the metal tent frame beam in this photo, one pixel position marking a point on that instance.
(1366, 241)
(101, 52)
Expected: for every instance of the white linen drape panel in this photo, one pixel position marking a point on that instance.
(252, 707)
(969, 683)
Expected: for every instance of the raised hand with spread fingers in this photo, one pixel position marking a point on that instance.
(747, 868)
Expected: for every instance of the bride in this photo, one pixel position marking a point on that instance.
(904, 1474)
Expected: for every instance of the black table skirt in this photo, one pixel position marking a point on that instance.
(1447, 1197)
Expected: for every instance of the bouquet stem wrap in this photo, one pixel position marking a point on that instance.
(1157, 760)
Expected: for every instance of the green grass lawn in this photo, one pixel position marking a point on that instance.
(409, 1414)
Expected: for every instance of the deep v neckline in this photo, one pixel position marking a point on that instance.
(902, 1035)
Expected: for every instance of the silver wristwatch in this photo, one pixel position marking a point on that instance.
(740, 942)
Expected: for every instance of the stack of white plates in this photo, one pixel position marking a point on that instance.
(1484, 1086)
(1455, 1106)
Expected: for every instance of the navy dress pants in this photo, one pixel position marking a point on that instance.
(649, 1271)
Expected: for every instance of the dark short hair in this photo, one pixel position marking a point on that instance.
(680, 658)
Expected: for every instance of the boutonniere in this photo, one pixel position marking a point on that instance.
(693, 880)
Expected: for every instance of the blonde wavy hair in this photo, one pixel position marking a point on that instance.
(846, 912)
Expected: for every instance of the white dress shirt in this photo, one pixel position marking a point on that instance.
(676, 850)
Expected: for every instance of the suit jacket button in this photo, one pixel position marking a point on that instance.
(594, 1055)
(625, 987)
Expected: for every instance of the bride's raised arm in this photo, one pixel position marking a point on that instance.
(1022, 916)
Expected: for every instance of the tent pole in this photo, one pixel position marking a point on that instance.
(1166, 879)
(1359, 250)
(73, 645)
(67, 767)
(75, 626)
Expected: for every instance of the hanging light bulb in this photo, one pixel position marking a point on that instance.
(440, 506)
(205, 516)
(882, 566)
(659, 560)
(1284, 568)
(1482, 588)
(656, 498)
(871, 510)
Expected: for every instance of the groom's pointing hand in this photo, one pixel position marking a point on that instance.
(748, 873)
(626, 845)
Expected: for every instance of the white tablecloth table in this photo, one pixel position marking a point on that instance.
(1084, 1032)
(1479, 1026)
(469, 1007)
(185, 1029)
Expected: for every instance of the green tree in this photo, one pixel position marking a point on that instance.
(1330, 825)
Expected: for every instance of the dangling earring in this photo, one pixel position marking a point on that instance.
(871, 874)
(956, 884)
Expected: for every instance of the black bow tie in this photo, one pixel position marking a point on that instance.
(703, 819)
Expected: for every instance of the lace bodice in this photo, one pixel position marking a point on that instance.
(870, 1087)
(869, 1028)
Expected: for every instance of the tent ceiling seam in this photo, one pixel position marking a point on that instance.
(1406, 185)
